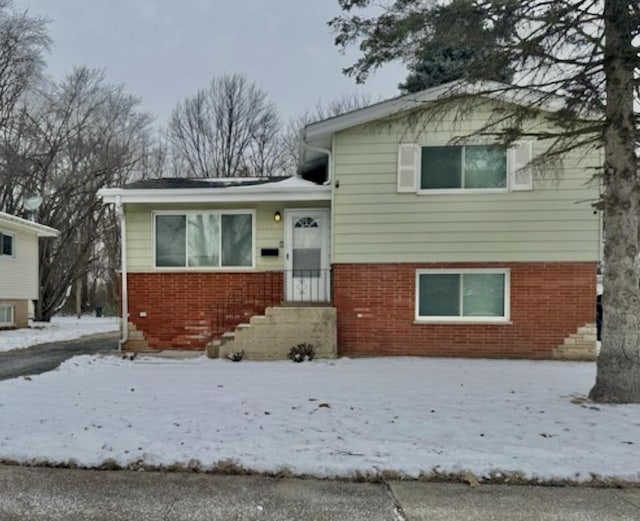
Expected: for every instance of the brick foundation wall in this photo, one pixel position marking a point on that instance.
(376, 308)
(186, 310)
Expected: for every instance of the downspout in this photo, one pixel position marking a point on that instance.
(123, 275)
(322, 151)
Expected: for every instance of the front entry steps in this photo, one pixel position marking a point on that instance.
(581, 345)
(272, 335)
(136, 340)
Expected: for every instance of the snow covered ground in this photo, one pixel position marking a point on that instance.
(60, 328)
(323, 418)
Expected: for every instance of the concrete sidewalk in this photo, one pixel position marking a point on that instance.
(456, 502)
(38, 494)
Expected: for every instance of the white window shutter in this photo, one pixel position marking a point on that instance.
(520, 168)
(408, 161)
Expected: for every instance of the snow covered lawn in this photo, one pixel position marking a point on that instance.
(60, 328)
(323, 418)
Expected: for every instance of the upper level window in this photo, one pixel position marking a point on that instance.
(470, 166)
(210, 240)
(7, 244)
(433, 169)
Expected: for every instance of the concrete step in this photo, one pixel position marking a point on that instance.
(135, 335)
(136, 345)
(251, 354)
(573, 342)
(582, 352)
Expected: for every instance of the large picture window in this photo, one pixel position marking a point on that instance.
(7, 244)
(463, 167)
(476, 295)
(206, 239)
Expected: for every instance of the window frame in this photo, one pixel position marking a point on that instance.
(12, 312)
(436, 191)
(186, 213)
(13, 245)
(505, 319)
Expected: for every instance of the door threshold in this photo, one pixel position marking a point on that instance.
(304, 304)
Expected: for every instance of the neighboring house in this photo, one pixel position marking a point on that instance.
(418, 244)
(19, 267)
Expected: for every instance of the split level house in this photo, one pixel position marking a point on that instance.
(397, 237)
(19, 267)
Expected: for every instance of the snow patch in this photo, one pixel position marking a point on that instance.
(409, 416)
(59, 329)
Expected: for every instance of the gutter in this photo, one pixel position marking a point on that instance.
(322, 151)
(123, 275)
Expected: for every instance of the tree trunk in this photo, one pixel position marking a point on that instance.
(618, 378)
(79, 298)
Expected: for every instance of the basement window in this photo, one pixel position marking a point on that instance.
(470, 295)
(6, 315)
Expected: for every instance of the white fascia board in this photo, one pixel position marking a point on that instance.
(489, 89)
(199, 195)
(23, 224)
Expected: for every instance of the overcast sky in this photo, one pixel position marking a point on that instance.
(164, 50)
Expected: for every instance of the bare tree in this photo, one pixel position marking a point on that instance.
(229, 129)
(23, 42)
(321, 110)
(69, 140)
(581, 56)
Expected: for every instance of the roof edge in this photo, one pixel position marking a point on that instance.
(40, 229)
(490, 89)
(193, 195)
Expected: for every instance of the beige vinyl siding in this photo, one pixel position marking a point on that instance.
(373, 223)
(19, 274)
(269, 234)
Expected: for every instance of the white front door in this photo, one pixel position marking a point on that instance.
(306, 255)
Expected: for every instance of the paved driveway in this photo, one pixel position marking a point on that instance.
(46, 357)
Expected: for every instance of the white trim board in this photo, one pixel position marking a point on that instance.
(19, 223)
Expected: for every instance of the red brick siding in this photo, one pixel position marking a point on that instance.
(187, 310)
(376, 308)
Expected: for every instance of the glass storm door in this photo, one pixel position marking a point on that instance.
(306, 256)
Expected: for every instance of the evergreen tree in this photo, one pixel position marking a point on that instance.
(581, 55)
(457, 43)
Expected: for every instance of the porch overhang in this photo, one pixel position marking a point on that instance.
(289, 189)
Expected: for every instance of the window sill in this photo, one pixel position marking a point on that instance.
(461, 322)
(202, 269)
(462, 191)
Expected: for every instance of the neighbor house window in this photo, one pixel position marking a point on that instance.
(6, 315)
(7, 244)
(463, 167)
(206, 239)
(467, 295)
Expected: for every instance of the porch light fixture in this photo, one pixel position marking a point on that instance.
(277, 216)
